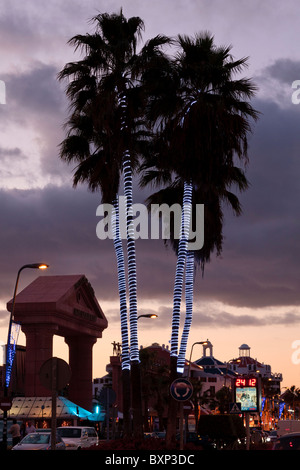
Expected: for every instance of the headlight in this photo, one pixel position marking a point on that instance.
(71, 446)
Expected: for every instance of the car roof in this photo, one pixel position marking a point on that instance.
(44, 432)
(292, 434)
(76, 427)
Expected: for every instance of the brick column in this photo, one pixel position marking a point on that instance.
(39, 348)
(81, 364)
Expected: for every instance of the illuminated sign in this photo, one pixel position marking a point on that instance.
(246, 393)
(246, 382)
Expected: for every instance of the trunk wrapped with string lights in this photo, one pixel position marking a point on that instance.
(189, 295)
(125, 357)
(136, 396)
(179, 278)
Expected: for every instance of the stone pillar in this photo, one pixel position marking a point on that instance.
(39, 348)
(81, 364)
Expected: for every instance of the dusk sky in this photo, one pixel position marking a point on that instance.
(250, 294)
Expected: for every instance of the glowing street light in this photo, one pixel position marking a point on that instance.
(148, 315)
(190, 360)
(10, 348)
(30, 266)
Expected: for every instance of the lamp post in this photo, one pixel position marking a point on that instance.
(9, 349)
(190, 360)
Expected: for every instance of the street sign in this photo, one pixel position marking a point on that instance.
(235, 408)
(181, 389)
(188, 408)
(59, 368)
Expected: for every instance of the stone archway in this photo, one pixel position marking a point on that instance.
(65, 306)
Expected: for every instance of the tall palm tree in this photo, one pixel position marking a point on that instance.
(201, 135)
(106, 137)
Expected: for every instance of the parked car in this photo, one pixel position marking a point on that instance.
(78, 437)
(39, 441)
(159, 434)
(256, 436)
(288, 442)
(271, 436)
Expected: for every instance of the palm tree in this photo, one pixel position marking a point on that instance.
(200, 136)
(106, 137)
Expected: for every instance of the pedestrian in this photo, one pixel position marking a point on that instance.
(23, 430)
(15, 432)
(30, 428)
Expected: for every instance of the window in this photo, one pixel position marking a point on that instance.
(91, 432)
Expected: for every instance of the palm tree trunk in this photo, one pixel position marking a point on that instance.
(172, 407)
(132, 284)
(125, 359)
(131, 258)
(181, 259)
(136, 392)
(189, 291)
(178, 287)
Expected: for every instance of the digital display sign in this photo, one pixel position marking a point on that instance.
(246, 393)
(246, 382)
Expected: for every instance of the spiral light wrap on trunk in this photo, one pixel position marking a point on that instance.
(189, 294)
(121, 284)
(181, 259)
(131, 258)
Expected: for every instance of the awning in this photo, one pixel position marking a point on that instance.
(41, 408)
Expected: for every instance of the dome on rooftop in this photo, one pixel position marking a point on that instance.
(244, 346)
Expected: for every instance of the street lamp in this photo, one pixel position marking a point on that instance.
(198, 342)
(148, 315)
(9, 352)
(10, 348)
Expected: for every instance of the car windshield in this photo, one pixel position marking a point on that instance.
(36, 438)
(70, 432)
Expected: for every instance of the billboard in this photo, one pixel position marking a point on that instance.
(246, 393)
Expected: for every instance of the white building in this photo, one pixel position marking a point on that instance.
(214, 374)
(246, 365)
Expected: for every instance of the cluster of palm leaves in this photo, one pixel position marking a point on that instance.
(178, 121)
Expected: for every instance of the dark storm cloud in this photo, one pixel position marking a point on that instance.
(34, 92)
(36, 101)
(224, 319)
(55, 225)
(283, 70)
(259, 265)
(260, 261)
